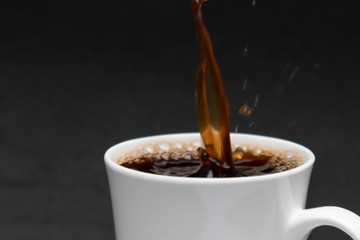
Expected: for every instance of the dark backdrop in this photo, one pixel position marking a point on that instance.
(76, 78)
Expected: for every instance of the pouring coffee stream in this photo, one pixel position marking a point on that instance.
(212, 106)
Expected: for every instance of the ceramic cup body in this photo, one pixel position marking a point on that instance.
(153, 207)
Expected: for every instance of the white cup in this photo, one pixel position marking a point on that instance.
(269, 207)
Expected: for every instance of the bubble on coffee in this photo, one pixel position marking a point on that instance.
(183, 159)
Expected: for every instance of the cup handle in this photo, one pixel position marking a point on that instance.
(306, 220)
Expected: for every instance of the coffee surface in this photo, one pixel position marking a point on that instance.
(186, 161)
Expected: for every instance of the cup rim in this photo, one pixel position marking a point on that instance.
(112, 165)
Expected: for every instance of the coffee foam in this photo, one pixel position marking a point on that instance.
(281, 159)
(187, 149)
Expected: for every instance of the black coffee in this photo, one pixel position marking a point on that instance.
(188, 163)
(217, 159)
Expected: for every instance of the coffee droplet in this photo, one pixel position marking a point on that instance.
(256, 101)
(245, 110)
(244, 86)
(239, 153)
(201, 152)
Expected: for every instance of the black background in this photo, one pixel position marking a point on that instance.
(77, 77)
